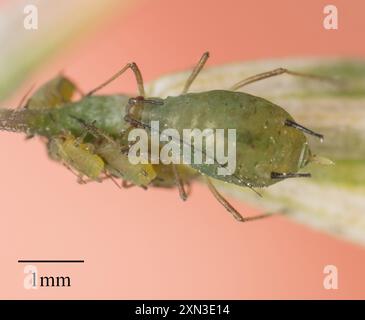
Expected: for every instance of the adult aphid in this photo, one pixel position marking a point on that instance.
(271, 146)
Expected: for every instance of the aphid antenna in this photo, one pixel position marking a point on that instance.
(295, 125)
(196, 71)
(280, 71)
(25, 96)
(180, 183)
(127, 185)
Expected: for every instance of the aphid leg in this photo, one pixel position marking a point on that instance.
(85, 181)
(295, 125)
(20, 105)
(79, 140)
(93, 129)
(229, 207)
(277, 72)
(179, 183)
(196, 71)
(127, 185)
(125, 149)
(25, 96)
(109, 176)
(139, 101)
(134, 122)
(101, 179)
(80, 180)
(188, 188)
(79, 176)
(137, 74)
(283, 175)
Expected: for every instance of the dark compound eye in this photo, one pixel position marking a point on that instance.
(133, 101)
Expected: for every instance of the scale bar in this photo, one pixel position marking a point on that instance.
(51, 261)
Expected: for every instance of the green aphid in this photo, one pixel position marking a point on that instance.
(76, 155)
(116, 160)
(271, 146)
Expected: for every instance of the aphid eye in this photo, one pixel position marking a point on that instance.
(134, 101)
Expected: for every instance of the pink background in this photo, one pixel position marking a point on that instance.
(149, 244)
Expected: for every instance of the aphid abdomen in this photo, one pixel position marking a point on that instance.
(264, 143)
(53, 93)
(76, 155)
(83, 159)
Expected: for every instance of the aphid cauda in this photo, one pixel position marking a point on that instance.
(271, 145)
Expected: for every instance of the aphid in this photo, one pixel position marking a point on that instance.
(116, 161)
(333, 199)
(76, 155)
(271, 145)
